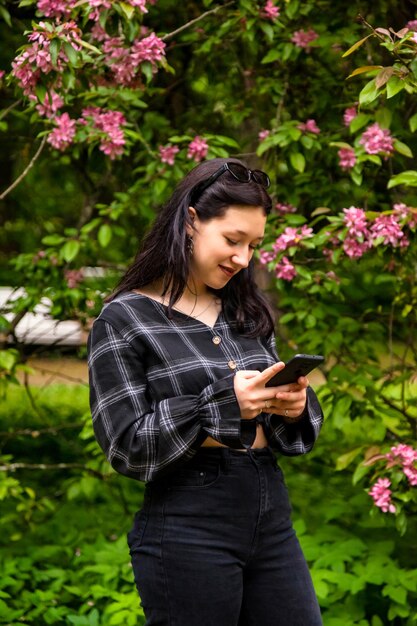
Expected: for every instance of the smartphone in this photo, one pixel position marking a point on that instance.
(299, 365)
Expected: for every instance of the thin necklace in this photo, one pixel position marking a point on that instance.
(192, 314)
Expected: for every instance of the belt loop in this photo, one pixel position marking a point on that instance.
(225, 459)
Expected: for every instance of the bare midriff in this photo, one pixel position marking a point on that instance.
(259, 442)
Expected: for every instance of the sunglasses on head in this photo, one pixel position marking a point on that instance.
(239, 173)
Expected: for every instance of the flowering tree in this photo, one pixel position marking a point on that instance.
(120, 99)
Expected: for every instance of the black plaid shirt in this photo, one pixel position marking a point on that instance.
(159, 387)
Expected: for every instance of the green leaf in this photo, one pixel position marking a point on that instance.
(346, 459)
(127, 9)
(402, 148)
(356, 46)
(6, 16)
(104, 235)
(369, 93)
(71, 53)
(70, 250)
(7, 359)
(53, 240)
(363, 69)
(40, 91)
(359, 122)
(394, 86)
(271, 56)
(384, 117)
(54, 48)
(298, 161)
(412, 122)
(407, 178)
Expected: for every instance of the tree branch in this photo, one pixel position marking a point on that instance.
(51, 466)
(10, 108)
(25, 171)
(194, 21)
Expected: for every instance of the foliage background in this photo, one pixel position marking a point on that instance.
(230, 74)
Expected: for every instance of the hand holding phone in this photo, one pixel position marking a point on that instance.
(298, 365)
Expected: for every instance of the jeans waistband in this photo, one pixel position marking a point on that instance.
(218, 456)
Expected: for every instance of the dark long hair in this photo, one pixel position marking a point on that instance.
(164, 252)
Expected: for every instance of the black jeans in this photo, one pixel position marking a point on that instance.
(214, 546)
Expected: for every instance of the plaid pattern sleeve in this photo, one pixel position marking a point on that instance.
(298, 437)
(160, 386)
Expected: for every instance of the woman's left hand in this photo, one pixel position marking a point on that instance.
(289, 400)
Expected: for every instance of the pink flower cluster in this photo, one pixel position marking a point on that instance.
(55, 8)
(2, 73)
(285, 207)
(125, 61)
(291, 237)
(406, 457)
(62, 136)
(167, 153)
(73, 278)
(381, 494)
(349, 114)
(197, 149)
(108, 124)
(361, 234)
(310, 126)
(270, 11)
(303, 38)
(51, 104)
(377, 140)
(347, 158)
(285, 270)
(36, 58)
(62, 8)
(263, 134)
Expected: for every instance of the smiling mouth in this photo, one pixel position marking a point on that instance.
(226, 270)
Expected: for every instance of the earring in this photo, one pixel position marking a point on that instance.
(190, 245)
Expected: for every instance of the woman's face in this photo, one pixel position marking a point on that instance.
(224, 245)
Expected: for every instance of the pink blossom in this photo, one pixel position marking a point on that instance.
(270, 11)
(291, 237)
(285, 269)
(55, 8)
(347, 158)
(302, 38)
(263, 134)
(310, 126)
(406, 456)
(412, 25)
(62, 136)
(167, 153)
(354, 248)
(73, 278)
(197, 149)
(285, 207)
(355, 220)
(386, 226)
(98, 6)
(2, 73)
(377, 140)
(357, 241)
(150, 48)
(108, 124)
(50, 105)
(405, 212)
(381, 494)
(349, 115)
(266, 257)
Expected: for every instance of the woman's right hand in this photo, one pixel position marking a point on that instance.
(250, 389)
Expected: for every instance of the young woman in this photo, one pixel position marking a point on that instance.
(179, 358)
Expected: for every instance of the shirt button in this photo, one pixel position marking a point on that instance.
(216, 340)
(232, 365)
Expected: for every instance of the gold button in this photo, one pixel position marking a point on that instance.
(232, 365)
(216, 340)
